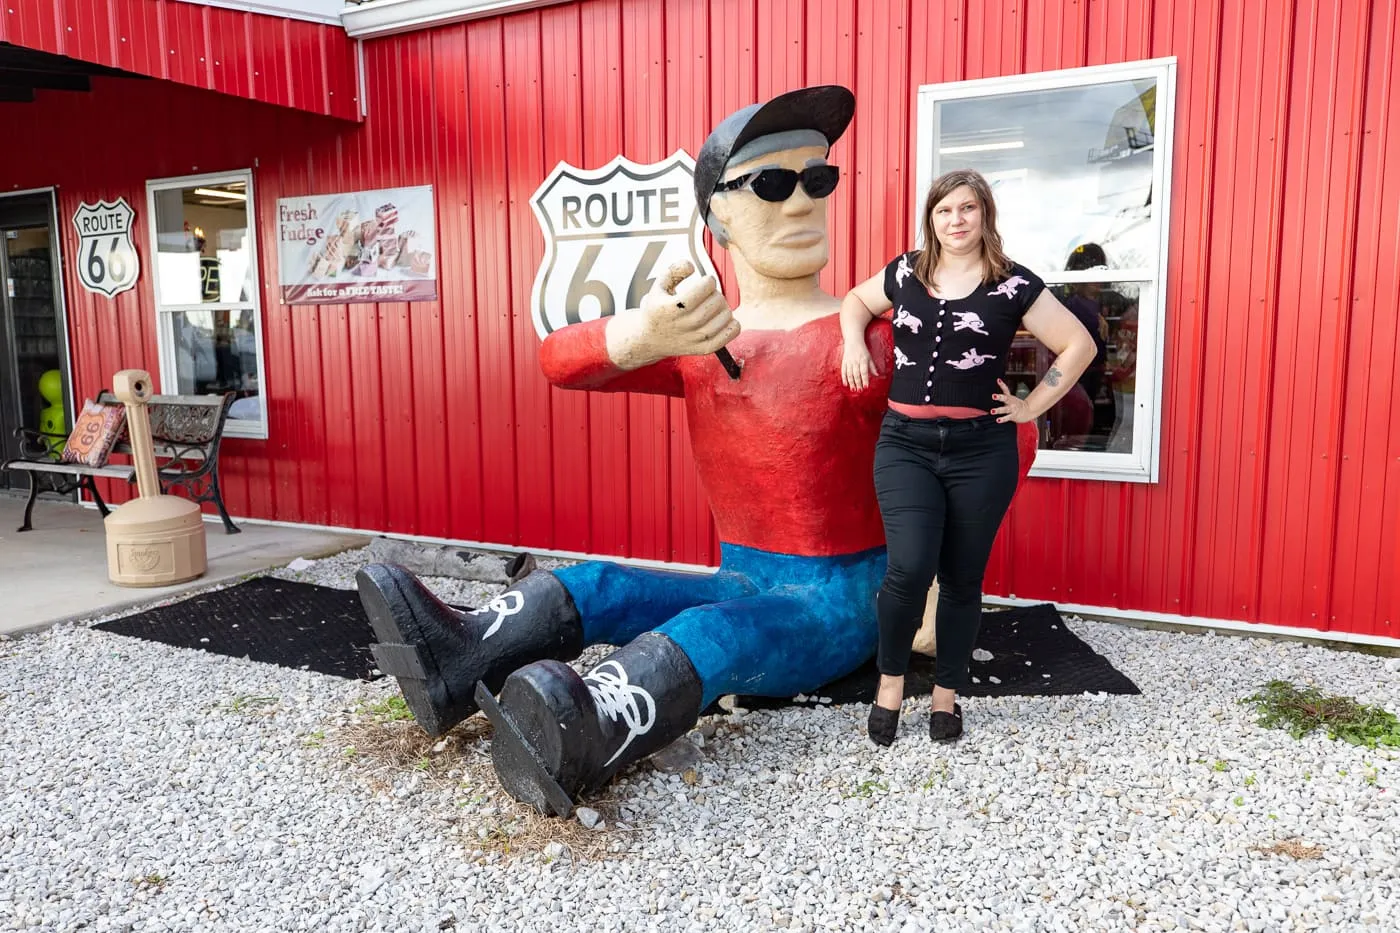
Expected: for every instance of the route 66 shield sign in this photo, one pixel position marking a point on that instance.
(107, 261)
(609, 232)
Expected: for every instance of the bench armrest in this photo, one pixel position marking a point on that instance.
(36, 445)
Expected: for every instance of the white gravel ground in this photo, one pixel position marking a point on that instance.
(149, 788)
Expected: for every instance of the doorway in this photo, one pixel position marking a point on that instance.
(34, 391)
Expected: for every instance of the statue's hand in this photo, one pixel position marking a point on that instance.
(678, 317)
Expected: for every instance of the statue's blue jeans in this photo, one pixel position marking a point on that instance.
(764, 624)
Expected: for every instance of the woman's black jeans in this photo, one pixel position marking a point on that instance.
(944, 486)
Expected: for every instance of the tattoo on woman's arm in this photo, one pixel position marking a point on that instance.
(1053, 376)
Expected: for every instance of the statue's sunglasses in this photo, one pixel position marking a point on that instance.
(778, 184)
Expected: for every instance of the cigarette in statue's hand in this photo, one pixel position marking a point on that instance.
(675, 275)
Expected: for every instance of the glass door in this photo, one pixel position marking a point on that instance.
(32, 392)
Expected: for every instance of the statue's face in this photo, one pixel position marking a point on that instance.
(779, 239)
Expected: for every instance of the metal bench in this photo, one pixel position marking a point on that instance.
(185, 433)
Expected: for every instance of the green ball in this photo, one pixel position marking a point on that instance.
(51, 421)
(51, 387)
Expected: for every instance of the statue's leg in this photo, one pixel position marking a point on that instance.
(559, 734)
(618, 603)
(813, 622)
(439, 654)
(774, 645)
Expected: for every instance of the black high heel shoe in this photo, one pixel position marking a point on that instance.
(943, 727)
(883, 724)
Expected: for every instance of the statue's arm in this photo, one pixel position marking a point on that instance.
(579, 357)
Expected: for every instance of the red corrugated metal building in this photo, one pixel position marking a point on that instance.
(1246, 472)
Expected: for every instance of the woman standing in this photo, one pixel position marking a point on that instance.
(946, 464)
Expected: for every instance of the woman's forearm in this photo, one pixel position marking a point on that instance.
(855, 318)
(1063, 373)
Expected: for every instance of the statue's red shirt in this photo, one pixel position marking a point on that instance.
(786, 453)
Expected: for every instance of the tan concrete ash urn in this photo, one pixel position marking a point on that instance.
(154, 540)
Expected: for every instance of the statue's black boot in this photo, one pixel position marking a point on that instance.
(440, 654)
(558, 734)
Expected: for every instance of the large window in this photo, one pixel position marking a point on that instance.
(1080, 163)
(206, 279)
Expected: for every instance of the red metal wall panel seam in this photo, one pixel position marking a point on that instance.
(1360, 65)
(1270, 301)
(1228, 354)
(641, 38)
(531, 397)
(1364, 448)
(1210, 94)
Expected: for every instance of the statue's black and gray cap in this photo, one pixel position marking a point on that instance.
(825, 111)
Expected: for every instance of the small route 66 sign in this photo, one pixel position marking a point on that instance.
(107, 261)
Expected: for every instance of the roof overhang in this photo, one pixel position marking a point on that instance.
(325, 12)
(367, 20)
(292, 53)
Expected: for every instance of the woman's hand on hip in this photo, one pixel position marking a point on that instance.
(857, 367)
(1012, 408)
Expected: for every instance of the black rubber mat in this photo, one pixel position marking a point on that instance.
(300, 625)
(281, 622)
(1033, 653)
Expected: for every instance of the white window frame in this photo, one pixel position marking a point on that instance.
(1142, 465)
(169, 376)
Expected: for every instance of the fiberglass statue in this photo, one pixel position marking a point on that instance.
(785, 453)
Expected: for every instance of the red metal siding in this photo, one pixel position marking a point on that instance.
(1280, 450)
(298, 64)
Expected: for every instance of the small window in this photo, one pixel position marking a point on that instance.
(209, 320)
(1080, 165)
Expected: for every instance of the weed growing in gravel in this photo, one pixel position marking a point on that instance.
(152, 880)
(246, 704)
(1249, 781)
(1221, 765)
(389, 709)
(939, 775)
(1282, 705)
(1293, 848)
(867, 788)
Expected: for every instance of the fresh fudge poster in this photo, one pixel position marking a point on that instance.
(357, 247)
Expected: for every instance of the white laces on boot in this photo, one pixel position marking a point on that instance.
(618, 698)
(504, 606)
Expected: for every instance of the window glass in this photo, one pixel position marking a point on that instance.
(1084, 151)
(205, 257)
(1076, 160)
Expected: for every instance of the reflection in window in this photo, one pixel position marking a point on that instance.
(1068, 166)
(1097, 414)
(206, 288)
(215, 352)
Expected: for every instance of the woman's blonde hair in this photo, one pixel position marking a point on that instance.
(995, 264)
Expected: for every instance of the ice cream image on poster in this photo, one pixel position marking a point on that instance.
(609, 233)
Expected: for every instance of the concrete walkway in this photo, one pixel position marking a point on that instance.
(58, 571)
